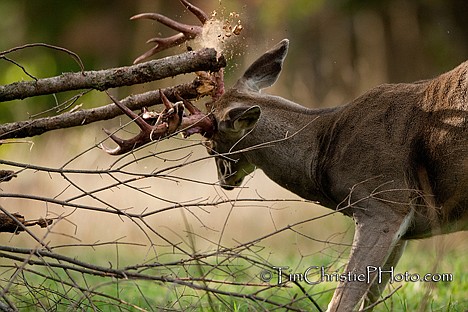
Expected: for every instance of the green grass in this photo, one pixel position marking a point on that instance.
(54, 290)
(421, 258)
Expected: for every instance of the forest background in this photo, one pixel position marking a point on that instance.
(338, 50)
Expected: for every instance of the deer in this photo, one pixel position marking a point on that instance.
(395, 159)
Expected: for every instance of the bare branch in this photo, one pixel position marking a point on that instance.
(372, 306)
(46, 45)
(29, 128)
(201, 60)
(6, 175)
(16, 223)
(19, 65)
(92, 269)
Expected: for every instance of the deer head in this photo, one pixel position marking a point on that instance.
(228, 120)
(236, 115)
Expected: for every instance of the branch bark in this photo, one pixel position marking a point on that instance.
(29, 128)
(201, 60)
(15, 223)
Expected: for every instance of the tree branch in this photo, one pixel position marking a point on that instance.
(15, 223)
(28, 128)
(201, 60)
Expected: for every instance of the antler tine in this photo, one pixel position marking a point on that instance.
(197, 122)
(172, 110)
(167, 123)
(187, 32)
(172, 118)
(161, 44)
(201, 15)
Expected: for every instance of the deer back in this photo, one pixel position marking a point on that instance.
(409, 139)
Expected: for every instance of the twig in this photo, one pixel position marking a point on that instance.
(40, 44)
(6, 175)
(370, 307)
(19, 65)
(10, 225)
(91, 269)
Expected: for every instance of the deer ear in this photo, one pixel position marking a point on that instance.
(239, 119)
(265, 70)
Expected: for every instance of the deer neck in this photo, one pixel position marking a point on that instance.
(287, 141)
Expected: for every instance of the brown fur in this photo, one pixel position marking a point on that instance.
(395, 159)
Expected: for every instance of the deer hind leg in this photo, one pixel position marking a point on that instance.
(375, 238)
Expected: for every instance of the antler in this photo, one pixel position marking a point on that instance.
(155, 126)
(187, 32)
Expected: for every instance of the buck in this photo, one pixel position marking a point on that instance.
(395, 159)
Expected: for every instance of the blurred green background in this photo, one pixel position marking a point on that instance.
(339, 48)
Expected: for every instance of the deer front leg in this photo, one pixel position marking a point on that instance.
(378, 287)
(375, 237)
